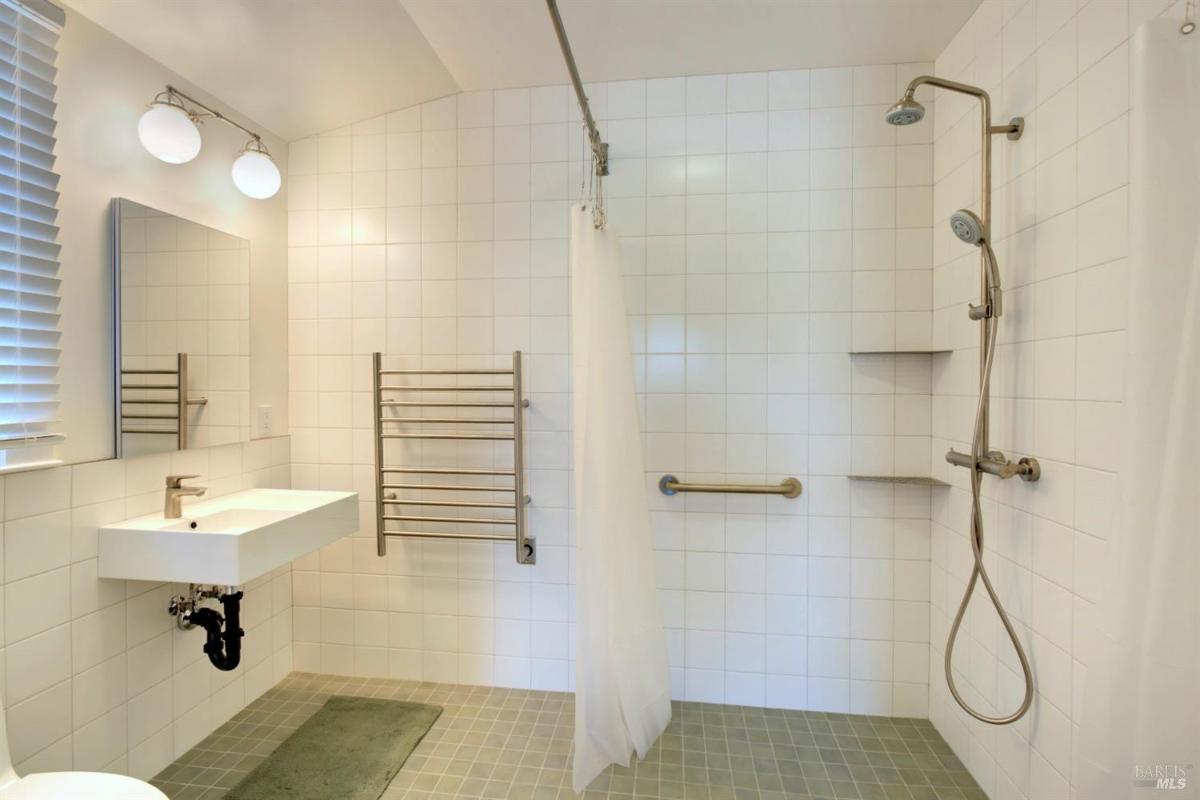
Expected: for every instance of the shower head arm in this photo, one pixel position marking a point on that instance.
(1013, 129)
(943, 83)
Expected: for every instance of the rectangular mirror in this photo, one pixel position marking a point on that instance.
(183, 341)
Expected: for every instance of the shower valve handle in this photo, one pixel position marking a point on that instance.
(995, 463)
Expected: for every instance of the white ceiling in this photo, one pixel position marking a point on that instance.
(299, 67)
(489, 44)
(295, 67)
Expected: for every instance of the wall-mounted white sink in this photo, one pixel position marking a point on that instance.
(228, 540)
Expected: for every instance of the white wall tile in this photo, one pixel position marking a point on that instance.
(746, 203)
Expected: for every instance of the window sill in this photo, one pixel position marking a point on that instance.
(31, 466)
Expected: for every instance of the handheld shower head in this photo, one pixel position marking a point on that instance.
(906, 112)
(968, 227)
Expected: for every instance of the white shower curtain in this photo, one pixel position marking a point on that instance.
(1142, 696)
(622, 685)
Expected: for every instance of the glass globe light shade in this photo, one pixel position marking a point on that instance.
(169, 134)
(255, 173)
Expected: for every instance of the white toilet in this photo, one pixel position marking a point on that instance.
(67, 785)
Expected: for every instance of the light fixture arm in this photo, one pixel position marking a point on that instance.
(207, 111)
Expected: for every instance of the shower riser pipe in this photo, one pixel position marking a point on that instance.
(982, 460)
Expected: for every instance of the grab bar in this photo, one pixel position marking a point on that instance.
(789, 488)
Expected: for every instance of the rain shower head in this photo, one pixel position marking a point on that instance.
(968, 227)
(906, 112)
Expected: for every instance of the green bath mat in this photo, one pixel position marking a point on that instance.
(349, 750)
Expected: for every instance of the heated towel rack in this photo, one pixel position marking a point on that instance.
(402, 401)
(147, 390)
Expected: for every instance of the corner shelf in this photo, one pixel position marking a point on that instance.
(898, 352)
(910, 480)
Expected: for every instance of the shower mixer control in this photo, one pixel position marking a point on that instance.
(995, 463)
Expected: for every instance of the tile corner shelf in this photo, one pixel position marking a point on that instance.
(906, 352)
(910, 480)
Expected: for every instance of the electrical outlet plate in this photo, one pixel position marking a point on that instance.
(265, 421)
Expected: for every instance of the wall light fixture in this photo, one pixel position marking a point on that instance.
(168, 130)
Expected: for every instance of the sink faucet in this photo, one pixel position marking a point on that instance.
(176, 491)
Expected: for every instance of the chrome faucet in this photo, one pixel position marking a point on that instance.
(176, 491)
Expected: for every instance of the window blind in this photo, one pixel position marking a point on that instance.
(29, 282)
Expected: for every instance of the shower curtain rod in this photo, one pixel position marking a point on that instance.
(599, 146)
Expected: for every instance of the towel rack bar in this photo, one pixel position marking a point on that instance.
(448, 371)
(159, 386)
(149, 372)
(149, 402)
(457, 520)
(446, 388)
(443, 487)
(445, 404)
(499, 537)
(464, 436)
(172, 432)
(149, 416)
(447, 471)
(474, 420)
(447, 503)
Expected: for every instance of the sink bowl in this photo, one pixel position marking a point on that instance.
(234, 519)
(229, 540)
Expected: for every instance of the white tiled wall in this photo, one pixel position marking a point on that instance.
(772, 223)
(96, 675)
(1061, 223)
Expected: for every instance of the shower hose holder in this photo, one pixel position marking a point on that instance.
(995, 463)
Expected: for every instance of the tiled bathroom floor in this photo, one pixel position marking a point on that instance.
(507, 743)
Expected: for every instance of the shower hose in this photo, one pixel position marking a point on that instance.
(978, 571)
